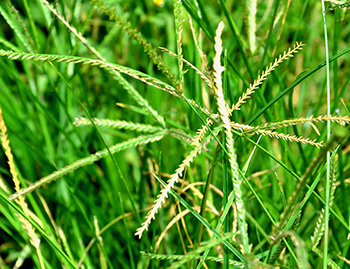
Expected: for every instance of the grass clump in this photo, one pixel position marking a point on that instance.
(231, 172)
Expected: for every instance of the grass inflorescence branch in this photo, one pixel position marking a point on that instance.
(134, 142)
(224, 115)
(170, 184)
(257, 82)
(118, 124)
(126, 26)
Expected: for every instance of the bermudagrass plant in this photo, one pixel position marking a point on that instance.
(214, 124)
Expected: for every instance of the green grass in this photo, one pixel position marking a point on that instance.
(102, 123)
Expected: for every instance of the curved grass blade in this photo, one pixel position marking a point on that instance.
(235, 36)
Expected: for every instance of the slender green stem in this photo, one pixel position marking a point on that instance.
(326, 231)
(235, 36)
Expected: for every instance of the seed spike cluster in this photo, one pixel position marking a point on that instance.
(73, 30)
(30, 230)
(286, 55)
(292, 138)
(267, 129)
(224, 115)
(337, 5)
(136, 35)
(118, 124)
(342, 120)
(171, 182)
(201, 133)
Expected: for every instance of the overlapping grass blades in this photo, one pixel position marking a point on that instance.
(247, 193)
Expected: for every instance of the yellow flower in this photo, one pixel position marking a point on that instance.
(159, 3)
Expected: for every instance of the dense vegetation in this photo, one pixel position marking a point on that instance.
(147, 134)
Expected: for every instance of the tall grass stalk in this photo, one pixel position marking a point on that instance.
(328, 172)
(224, 113)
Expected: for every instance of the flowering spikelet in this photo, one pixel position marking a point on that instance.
(224, 114)
(136, 35)
(264, 74)
(34, 239)
(113, 69)
(267, 128)
(342, 120)
(171, 182)
(292, 138)
(201, 132)
(118, 124)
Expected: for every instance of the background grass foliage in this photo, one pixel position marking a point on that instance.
(208, 115)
